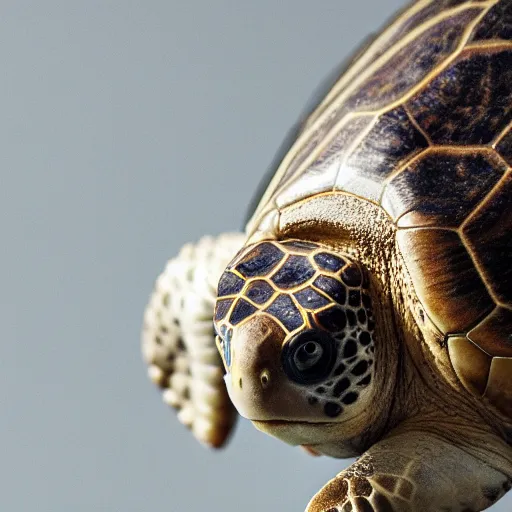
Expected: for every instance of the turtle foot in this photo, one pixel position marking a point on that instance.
(178, 342)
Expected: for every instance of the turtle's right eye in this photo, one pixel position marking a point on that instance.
(309, 357)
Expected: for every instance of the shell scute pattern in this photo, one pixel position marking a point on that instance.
(488, 235)
(329, 144)
(492, 335)
(422, 127)
(445, 278)
(332, 287)
(419, 17)
(229, 284)
(497, 24)
(259, 292)
(469, 102)
(296, 271)
(292, 180)
(429, 49)
(260, 261)
(321, 174)
(392, 141)
(392, 132)
(422, 196)
(284, 309)
(310, 299)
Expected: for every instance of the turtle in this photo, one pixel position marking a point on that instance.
(366, 309)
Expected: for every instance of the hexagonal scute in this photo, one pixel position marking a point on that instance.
(488, 234)
(414, 20)
(392, 140)
(494, 333)
(241, 311)
(320, 174)
(468, 102)
(471, 364)
(445, 278)
(260, 261)
(499, 385)
(442, 188)
(284, 310)
(259, 291)
(410, 64)
(295, 271)
(222, 308)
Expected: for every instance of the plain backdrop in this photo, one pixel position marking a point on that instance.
(128, 128)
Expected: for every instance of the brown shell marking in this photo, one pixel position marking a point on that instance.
(427, 36)
(388, 83)
(421, 125)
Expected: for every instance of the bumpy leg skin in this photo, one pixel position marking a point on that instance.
(178, 341)
(413, 472)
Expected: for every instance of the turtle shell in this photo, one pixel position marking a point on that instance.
(420, 125)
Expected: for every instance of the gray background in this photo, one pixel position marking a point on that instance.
(127, 129)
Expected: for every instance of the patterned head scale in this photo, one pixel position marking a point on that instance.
(319, 304)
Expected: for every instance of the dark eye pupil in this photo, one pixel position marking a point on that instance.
(308, 355)
(310, 347)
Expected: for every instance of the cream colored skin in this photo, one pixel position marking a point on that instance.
(426, 443)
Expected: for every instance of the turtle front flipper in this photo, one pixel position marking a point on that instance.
(178, 341)
(417, 471)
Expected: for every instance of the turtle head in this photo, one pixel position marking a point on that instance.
(295, 331)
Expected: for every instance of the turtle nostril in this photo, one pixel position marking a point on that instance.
(265, 378)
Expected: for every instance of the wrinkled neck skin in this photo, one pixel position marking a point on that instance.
(395, 394)
(413, 385)
(409, 393)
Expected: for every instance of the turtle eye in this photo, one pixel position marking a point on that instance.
(309, 357)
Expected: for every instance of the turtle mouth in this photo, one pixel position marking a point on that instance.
(288, 423)
(301, 430)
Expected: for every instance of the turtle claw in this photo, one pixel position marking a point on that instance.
(178, 342)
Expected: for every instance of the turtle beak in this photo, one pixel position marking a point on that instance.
(257, 383)
(255, 366)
